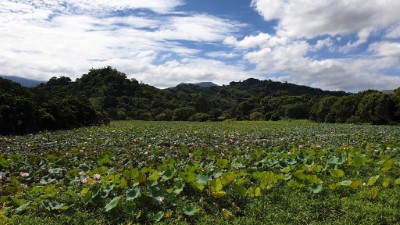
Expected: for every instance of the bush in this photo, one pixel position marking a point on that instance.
(256, 116)
(200, 117)
(183, 113)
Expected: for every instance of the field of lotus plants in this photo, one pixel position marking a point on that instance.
(138, 172)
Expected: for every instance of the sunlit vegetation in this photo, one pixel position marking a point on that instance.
(183, 173)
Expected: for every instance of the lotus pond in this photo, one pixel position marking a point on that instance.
(134, 172)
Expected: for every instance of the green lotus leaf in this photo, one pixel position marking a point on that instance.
(168, 174)
(190, 210)
(56, 171)
(359, 160)
(222, 163)
(316, 188)
(23, 207)
(216, 185)
(178, 188)
(237, 165)
(125, 161)
(333, 160)
(48, 205)
(154, 176)
(218, 194)
(387, 165)
(228, 178)
(356, 184)
(386, 182)
(197, 186)
(203, 179)
(157, 193)
(346, 182)
(158, 216)
(239, 189)
(302, 157)
(84, 167)
(253, 192)
(337, 173)
(372, 180)
(112, 204)
(46, 180)
(291, 161)
(132, 194)
(106, 190)
(374, 192)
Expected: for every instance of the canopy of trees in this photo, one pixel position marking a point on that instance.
(62, 103)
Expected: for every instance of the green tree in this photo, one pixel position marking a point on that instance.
(321, 112)
(183, 113)
(345, 108)
(376, 108)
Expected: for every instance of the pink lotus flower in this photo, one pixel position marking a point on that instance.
(1, 177)
(81, 173)
(97, 176)
(84, 181)
(24, 174)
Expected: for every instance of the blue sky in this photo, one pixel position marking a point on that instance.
(347, 45)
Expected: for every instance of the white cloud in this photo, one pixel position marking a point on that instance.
(45, 38)
(292, 61)
(190, 70)
(289, 53)
(327, 42)
(159, 6)
(257, 41)
(228, 55)
(284, 58)
(393, 32)
(42, 41)
(386, 49)
(196, 28)
(309, 18)
(32, 8)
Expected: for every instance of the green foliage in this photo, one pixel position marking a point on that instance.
(183, 113)
(62, 103)
(185, 173)
(199, 117)
(112, 204)
(256, 116)
(24, 110)
(376, 108)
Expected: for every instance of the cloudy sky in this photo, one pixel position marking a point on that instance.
(332, 44)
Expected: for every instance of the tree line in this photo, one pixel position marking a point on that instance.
(62, 103)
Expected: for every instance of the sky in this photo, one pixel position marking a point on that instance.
(349, 45)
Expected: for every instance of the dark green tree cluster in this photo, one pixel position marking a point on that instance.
(24, 110)
(370, 106)
(62, 103)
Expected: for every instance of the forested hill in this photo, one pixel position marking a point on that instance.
(257, 88)
(62, 103)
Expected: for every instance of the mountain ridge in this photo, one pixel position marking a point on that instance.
(23, 81)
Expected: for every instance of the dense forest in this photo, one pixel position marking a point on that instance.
(62, 103)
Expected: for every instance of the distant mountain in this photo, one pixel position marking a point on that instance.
(387, 91)
(206, 84)
(200, 84)
(23, 81)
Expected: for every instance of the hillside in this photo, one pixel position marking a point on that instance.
(111, 94)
